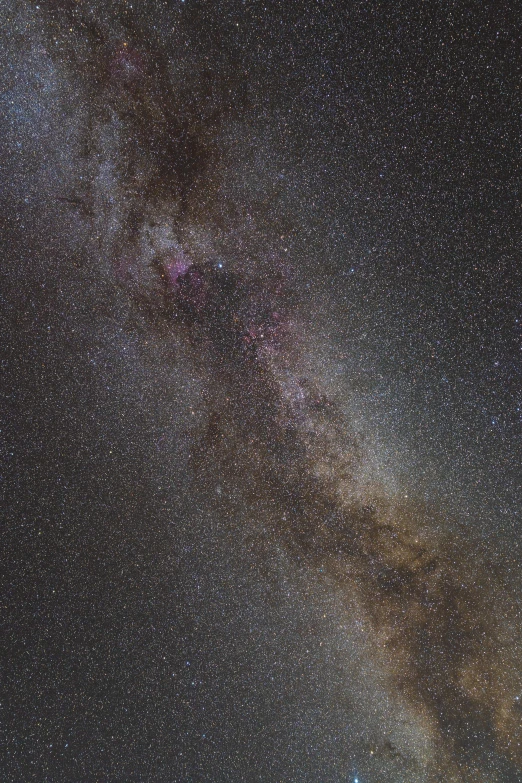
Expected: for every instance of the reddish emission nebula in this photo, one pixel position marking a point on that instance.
(263, 328)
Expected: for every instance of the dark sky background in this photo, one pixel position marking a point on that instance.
(261, 392)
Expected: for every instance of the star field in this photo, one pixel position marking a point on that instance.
(262, 408)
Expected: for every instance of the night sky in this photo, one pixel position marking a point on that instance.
(261, 318)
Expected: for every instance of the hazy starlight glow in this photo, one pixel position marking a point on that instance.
(262, 325)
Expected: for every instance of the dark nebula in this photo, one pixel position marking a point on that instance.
(262, 337)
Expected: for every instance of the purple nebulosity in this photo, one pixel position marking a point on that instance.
(192, 289)
(127, 65)
(176, 268)
(244, 313)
